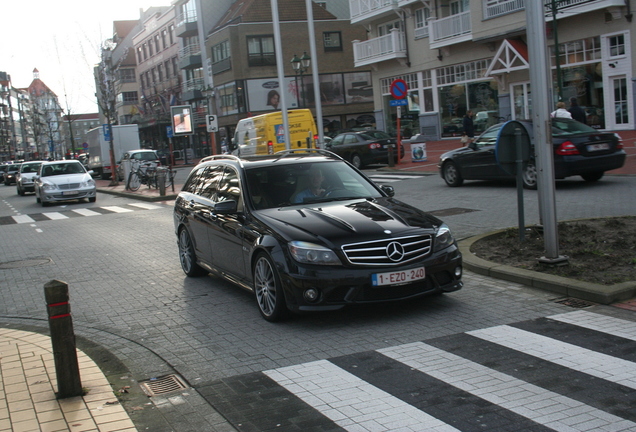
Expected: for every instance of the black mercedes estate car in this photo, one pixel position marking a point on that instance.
(306, 231)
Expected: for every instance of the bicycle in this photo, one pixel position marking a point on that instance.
(142, 174)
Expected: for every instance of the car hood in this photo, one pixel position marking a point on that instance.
(67, 178)
(353, 220)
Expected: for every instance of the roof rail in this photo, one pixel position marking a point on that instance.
(221, 156)
(285, 153)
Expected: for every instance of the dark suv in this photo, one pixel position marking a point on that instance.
(306, 231)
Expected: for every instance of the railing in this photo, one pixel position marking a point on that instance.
(504, 8)
(187, 17)
(379, 49)
(360, 8)
(190, 50)
(450, 27)
(193, 84)
(421, 32)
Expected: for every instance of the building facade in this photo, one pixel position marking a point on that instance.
(46, 120)
(244, 66)
(459, 55)
(74, 130)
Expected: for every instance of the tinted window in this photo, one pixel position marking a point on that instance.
(194, 181)
(210, 182)
(229, 188)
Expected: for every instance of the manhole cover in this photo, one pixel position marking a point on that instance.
(25, 263)
(575, 303)
(451, 211)
(163, 385)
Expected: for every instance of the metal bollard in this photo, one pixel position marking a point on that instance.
(161, 181)
(391, 160)
(62, 339)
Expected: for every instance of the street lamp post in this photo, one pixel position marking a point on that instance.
(300, 66)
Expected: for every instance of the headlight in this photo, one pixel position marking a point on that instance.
(88, 183)
(310, 253)
(444, 238)
(48, 186)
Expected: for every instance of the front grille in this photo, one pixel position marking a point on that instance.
(69, 186)
(388, 252)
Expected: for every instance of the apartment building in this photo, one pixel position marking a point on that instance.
(156, 49)
(244, 65)
(457, 55)
(75, 127)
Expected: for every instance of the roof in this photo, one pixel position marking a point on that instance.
(254, 11)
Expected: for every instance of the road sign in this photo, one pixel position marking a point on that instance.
(398, 102)
(106, 129)
(212, 123)
(169, 132)
(399, 89)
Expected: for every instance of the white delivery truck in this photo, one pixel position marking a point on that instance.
(125, 138)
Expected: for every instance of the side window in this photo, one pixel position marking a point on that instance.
(350, 139)
(210, 182)
(229, 187)
(338, 140)
(193, 181)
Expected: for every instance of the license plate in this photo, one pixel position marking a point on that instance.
(398, 277)
(74, 192)
(597, 147)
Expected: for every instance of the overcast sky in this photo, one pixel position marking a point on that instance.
(61, 39)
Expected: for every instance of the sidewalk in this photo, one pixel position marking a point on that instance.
(28, 384)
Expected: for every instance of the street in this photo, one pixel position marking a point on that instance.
(441, 363)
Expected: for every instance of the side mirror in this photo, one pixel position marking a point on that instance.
(388, 190)
(472, 146)
(226, 207)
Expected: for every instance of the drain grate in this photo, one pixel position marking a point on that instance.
(163, 385)
(575, 303)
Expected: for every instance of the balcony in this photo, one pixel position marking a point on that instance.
(186, 25)
(503, 8)
(388, 47)
(190, 57)
(450, 30)
(363, 10)
(191, 89)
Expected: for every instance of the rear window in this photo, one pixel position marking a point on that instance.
(562, 127)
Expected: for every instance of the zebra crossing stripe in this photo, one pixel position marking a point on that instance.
(23, 219)
(117, 209)
(86, 212)
(596, 364)
(350, 402)
(55, 215)
(145, 206)
(600, 323)
(535, 403)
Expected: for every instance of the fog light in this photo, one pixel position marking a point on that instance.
(458, 272)
(311, 295)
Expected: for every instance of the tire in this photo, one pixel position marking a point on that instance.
(92, 199)
(530, 176)
(268, 289)
(356, 161)
(134, 182)
(451, 175)
(187, 256)
(592, 177)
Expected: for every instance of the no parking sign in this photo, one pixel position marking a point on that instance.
(399, 89)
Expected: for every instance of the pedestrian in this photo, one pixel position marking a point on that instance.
(577, 112)
(469, 128)
(561, 112)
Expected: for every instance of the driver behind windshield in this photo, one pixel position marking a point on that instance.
(315, 188)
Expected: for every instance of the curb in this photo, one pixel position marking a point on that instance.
(603, 294)
(141, 197)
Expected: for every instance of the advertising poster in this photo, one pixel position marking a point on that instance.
(181, 119)
(418, 152)
(265, 94)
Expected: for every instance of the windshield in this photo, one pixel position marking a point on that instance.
(62, 169)
(303, 183)
(30, 167)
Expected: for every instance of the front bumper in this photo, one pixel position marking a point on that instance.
(58, 195)
(341, 286)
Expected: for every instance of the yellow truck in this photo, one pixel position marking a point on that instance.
(265, 133)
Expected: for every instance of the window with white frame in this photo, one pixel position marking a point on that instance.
(578, 51)
(410, 79)
(462, 72)
(421, 22)
(385, 29)
(221, 51)
(616, 45)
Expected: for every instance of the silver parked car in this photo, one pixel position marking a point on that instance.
(64, 180)
(25, 179)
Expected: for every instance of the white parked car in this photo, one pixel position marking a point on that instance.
(64, 180)
(25, 179)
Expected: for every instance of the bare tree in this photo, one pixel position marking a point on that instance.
(106, 83)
